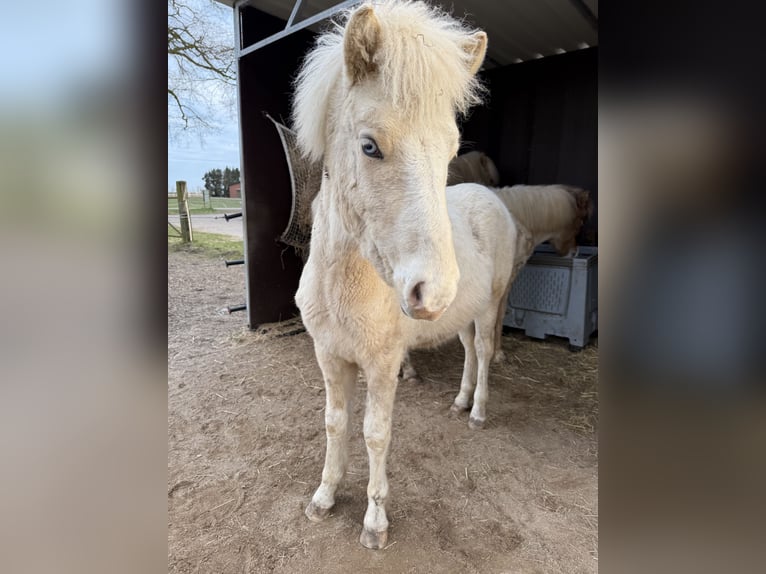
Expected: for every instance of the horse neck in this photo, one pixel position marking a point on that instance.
(336, 230)
(338, 265)
(331, 234)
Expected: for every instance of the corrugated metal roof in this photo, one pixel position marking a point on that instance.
(518, 30)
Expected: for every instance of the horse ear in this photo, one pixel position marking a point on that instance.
(476, 48)
(360, 43)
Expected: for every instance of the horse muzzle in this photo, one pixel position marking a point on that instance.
(416, 308)
(423, 314)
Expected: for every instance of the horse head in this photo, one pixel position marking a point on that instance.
(566, 242)
(389, 137)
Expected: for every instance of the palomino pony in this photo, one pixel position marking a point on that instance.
(395, 261)
(553, 213)
(541, 213)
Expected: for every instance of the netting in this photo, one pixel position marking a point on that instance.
(306, 178)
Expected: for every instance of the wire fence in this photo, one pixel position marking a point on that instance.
(200, 204)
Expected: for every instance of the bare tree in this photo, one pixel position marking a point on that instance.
(201, 72)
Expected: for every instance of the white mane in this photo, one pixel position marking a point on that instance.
(540, 208)
(414, 80)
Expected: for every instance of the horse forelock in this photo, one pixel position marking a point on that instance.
(421, 68)
(422, 59)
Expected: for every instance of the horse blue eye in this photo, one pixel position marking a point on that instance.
(370, 148)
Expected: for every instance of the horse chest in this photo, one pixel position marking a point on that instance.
(346, 306)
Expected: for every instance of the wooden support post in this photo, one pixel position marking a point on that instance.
(183, 211)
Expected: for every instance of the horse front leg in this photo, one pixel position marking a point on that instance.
(381, 391)
(340, 379)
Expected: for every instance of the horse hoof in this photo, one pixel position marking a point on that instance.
(475, 424)
(414, 379)
(456, 408)
(499, 357)
(316, 513)
(373, 540)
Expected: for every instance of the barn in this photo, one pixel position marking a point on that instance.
(248, 407)
(538, 124)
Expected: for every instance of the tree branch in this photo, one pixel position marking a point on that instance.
(180, 106)
(195, 59)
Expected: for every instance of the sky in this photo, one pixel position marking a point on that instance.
(190, 156)
(48, 48)
(189, 159)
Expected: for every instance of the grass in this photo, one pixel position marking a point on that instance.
(213, 204)
(209, 245)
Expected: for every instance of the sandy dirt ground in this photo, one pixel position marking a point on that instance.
(212, 223)
(246, 448)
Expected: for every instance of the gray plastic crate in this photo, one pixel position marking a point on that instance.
(555, 295)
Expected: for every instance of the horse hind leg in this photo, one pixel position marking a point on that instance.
(499, 355)
(463, 398)
(408, 372)
(340, 380)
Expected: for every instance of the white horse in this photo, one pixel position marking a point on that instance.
(552, 213)
(540, 213)
(376, 100)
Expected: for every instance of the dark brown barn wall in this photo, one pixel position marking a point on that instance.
(273, 269)
(540, 124)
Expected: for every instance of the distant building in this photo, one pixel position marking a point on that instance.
(235, 190)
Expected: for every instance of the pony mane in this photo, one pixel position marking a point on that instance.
(421, 61)
(543, 208)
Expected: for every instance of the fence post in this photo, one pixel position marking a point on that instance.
(183, 211)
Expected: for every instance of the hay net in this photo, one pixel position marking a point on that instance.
(305, 178)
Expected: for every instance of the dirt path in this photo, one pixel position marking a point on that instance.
(246, 447)
(212, 223)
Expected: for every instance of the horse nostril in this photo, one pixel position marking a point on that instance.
(416, 296)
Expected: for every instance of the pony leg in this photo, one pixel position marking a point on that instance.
(381, 390)
(499, 354)
(408, 371)
(340, 379)
(485, 332)
(462, 400)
